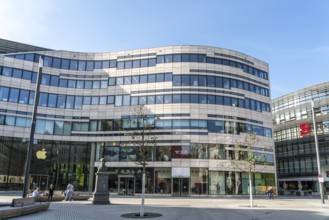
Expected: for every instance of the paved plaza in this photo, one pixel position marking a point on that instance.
(290, 208)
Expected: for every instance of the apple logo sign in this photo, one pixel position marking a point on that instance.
(41, 154)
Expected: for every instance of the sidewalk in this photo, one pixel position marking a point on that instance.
(292, 208)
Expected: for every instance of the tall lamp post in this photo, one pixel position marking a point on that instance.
(317, 153)
(32, 131)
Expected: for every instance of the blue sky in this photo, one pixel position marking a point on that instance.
(291, 35)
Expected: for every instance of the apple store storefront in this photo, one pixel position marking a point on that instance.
(202, 100)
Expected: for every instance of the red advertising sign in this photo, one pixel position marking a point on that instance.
(304, 129)
(180, 151)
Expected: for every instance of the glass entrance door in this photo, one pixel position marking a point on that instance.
(126, 185)
(39, 181)
(180, 187)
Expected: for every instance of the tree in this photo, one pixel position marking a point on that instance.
(250, 159)
(143, 140)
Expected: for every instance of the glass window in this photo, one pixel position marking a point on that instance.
(210, 81)
(194, 98)
(98, 64)
(202, 99)
(150, 100)
(151, 78)
(234, 102)
(177, 58)
(193, 57)
(94, 100)
(49, 128)
(71, 83)
(106, 64)
(118, 100)
(177, 80)
(90, 66)
(211, 99)
(88, 84)
(34, 77)
(194, 80)
(167, 99)
(202, 81)
(65, 64)
(73, 65)
(160, 77)
(31, 99)
(78, 102)
(104, 84)
(126, 100)
(112, 81)
(7, 71)
(168, 58)
(10, 120)
(80, 84)
(168, 77)
(144, 63)
(119, 80)
(185, 58)
(24, 96)
(113, 63)
(160, 59)
(152, 62)
(17, 73)
(40, 126)
(127, 80)
(226, 83)
(185, 80)
(67, 128)
(121, 65)
(233, 83)
(96, 84)
(176, 98)
(47, 61)
(45, 80)
(159, 99)
(58, 128)
(82, 65)
(136, 63)
(20, 122)
(56, 63)
(43, 99)
(135, 79)
(63, 83)
(185, 98)
(128, 64)
(69, 101)
(102, 100)
(13, 96)
(54, 80)
(134, 100)
(27, 75)
(61, 101)
(227, 101)
(110, 99)
(29, 57)
(219, 100)
(142, 100)
(201, 58)
(143, 79)
(52, 100)
(86, 100)
(4, 93)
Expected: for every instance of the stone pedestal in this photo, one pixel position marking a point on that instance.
(101, 196)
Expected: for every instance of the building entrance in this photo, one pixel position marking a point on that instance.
(180, 187)
(40, 181)
(126, 185)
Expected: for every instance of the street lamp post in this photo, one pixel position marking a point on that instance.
(317, 152)
(32, 131)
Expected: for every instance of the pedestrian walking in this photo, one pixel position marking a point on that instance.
(69, 192)
(270, 192)
(50, 192)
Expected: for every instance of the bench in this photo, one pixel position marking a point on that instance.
(22, 206)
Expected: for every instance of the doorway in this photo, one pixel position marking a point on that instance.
(126, 185)
(40, 181)
(180, 187)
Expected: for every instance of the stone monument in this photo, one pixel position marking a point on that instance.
(101, 196)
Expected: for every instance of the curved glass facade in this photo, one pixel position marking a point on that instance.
(201, 99)
(295, 151)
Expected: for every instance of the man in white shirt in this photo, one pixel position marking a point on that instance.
(69, 192)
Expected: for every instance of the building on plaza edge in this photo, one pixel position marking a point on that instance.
(297, 170)
(203, 100)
